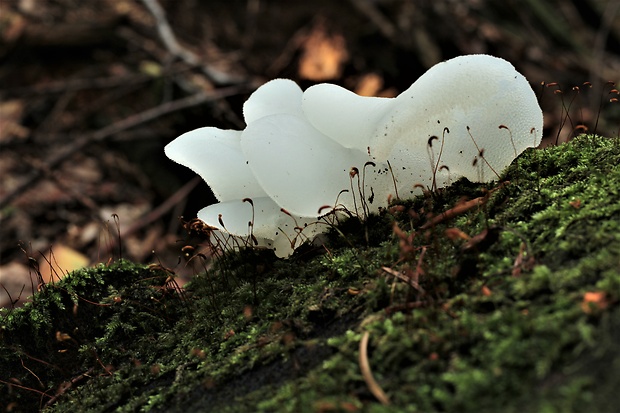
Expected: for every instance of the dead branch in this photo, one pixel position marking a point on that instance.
(381, 22)
(412, 283)
(167, 205)
(71, 85)
(80, 142)
(174, 47)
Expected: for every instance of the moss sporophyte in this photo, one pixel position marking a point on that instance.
(512, 305)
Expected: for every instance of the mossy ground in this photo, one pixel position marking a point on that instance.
(524, 315)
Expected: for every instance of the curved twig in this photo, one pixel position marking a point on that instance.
(372, 384)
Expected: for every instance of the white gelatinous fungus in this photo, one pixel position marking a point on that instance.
(304, 154)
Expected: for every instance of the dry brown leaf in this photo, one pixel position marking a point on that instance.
(369, 85)
(11, 24)
(62, 260)
(11, 113)
(323, 55)
(16, 282)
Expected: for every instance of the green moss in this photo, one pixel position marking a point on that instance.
(497, 323)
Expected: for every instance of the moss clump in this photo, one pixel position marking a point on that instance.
(510, 306)
(66, 332)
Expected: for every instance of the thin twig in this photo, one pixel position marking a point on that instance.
(67, 385)
(19, 386)
(70, 85)
(608, 16)
(175, 48)
(372, 384)
(382, 23)
(167, 205)
(81, 197)
(412, 283)
(79, 143)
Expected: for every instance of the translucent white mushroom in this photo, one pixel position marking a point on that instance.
(303, 170)
(472, 104)
(216, 156)
(469, 116)
(347, 118)
(276, 96)
(489, 109)
(259, 222)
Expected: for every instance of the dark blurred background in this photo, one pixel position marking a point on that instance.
(90, 93)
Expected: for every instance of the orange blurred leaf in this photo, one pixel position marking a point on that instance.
(371, 84)
(63, 260)
(323, 55)
(594, 300)
(62, 336)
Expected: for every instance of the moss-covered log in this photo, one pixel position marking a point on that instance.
(511, 305)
